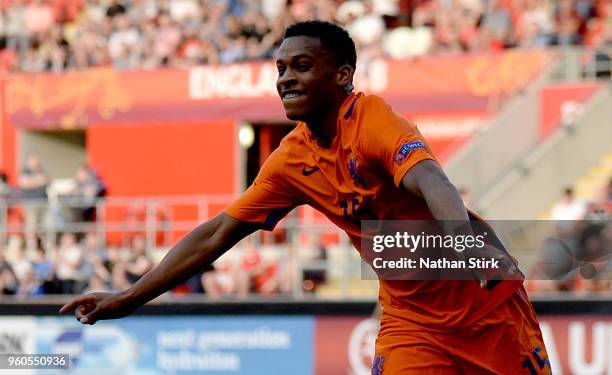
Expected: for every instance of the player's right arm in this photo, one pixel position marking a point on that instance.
(194, 252)
(260, 207)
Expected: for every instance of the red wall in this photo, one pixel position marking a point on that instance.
(553, 96)
(8, 142)
(162, 159)
(8, 139)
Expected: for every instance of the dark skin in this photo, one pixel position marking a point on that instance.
(307, 69)
(312, 86)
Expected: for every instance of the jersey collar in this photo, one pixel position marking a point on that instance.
(349, 105)
(345, 113)
(346, 110)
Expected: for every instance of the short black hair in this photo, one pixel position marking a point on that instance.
(333, 39)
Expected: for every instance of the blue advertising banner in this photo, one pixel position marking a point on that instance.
(181, 345)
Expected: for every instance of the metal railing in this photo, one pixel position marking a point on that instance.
(164, 220)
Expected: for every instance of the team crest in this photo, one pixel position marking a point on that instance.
(406, 149)
(377, 366)
(357, 179)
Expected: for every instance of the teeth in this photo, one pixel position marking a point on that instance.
(292, 95)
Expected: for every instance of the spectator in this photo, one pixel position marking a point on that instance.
(38, 18)
(598, 38)
(96, 284)
(54, 50)
(232, 50)
(6, 191)
(446, 34)
(115, 8)
(94, 13)
(8, 55)
(468, 28)
(183, 10)
(167, 39)
(271, 9)
(69, 265)
(139, 262)
(256, 275)
(119, 280)
(367, 30)
(95, 262)
(602, 206)
(254, 25)
(497, 22)
(43, 268)
(33, 182)
(124, 43)
(14, 27)
(66, 11)
(569, 208)
(8, 281)
(220, 281)
(535, 26)
(194, 51)
(142, 11)
(33, 61)
(93, 247)
(82, 199)
(568, 23)
(20, 263)
(6, 195)
(29, 286)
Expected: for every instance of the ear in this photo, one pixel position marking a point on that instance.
(344, 76)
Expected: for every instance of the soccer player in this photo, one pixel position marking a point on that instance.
(351, 157)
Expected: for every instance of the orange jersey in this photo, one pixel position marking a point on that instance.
(358, 178)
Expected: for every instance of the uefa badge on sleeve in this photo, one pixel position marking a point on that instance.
(406, 149)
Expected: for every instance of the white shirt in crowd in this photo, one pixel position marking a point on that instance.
(569, 210)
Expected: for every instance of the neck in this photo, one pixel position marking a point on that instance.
(324, 127)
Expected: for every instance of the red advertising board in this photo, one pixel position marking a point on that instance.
(576, 344)
(447, 96)
(438, 84)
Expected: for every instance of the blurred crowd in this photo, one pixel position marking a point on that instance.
(577, 255)
(34, 200)
(75, 264)
(80, 263)
(56, 35)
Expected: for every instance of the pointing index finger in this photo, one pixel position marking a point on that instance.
(75, 303)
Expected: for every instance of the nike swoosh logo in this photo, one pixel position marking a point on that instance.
(308, 172)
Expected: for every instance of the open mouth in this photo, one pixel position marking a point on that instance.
(290, 95)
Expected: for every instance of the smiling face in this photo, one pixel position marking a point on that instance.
(309, 81)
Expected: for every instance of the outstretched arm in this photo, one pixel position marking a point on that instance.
(195, 251)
